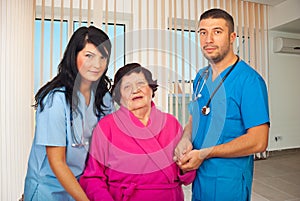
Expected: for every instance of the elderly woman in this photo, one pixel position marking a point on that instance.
(132, 148)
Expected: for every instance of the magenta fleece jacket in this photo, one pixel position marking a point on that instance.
(132, 162)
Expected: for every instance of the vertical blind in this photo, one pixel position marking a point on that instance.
(159, 34)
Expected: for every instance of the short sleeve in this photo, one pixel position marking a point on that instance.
(51, 124)
(254, 106)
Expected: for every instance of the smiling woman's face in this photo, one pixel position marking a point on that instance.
(135, 92)
(91, 63)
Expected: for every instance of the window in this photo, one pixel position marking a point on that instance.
(39, 78)
(44, 74)
(184, 70)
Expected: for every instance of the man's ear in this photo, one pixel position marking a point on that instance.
(232, 37)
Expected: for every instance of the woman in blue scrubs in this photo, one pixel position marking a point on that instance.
(67, 109)
(229, 119)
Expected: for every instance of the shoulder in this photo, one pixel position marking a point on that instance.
(107, 101)
(57, 92)
(55, 97)
(201, 72)
(171, 129)
(107, 97)
(248, 74)
(171, 118)
(171, 121)
(245, 69)
(106, 121)
(106, 126)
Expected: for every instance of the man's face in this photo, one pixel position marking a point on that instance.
(215, 39)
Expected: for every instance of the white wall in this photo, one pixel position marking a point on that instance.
(284, 94)
(284, 13)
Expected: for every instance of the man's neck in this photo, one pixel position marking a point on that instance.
(219, 67)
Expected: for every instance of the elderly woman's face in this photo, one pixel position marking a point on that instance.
(135, 92)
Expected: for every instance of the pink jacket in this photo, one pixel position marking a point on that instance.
(133, 162)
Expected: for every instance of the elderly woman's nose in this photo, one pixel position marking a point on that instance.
(135, 88)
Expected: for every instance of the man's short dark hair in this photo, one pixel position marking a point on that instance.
(219, 13)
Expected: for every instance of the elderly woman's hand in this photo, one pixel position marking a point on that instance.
(183, 147)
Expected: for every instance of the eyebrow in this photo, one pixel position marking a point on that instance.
(89, 51)
(218, 28)
(92, 52)
(203, 29)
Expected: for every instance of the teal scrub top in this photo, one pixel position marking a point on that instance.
(240, 103)
(53, 129)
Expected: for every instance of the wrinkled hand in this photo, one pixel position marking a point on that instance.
(193, 159)
(184, 146)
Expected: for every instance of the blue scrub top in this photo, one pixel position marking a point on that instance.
(240, 103)
(53, 129)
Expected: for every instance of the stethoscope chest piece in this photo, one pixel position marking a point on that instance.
(205, 110)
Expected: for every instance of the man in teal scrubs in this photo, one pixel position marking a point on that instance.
(229, 117)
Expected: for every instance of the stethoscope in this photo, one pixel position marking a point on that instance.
(206, 109)
(198, 91)
(75, 142)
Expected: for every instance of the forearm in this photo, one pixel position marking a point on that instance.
(254, 141)
(187, 131)
(57, 161)
(185, 144)
(68, 181)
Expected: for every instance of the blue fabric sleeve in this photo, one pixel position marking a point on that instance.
(51, 126)
(107, 100)
(254, 105)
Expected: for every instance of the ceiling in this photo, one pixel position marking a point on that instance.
(268, 2)
(292, 26)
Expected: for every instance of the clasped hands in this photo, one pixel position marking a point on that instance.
(187, 158)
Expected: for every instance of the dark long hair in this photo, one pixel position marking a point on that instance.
(68, 72)
(127, 70)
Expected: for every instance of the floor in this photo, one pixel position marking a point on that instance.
(276, 178)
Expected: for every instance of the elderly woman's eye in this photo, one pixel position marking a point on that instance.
(127, 87)
(142, 83)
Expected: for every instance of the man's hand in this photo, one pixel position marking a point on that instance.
(193, 159)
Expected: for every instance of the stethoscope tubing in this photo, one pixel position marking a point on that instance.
(198, 91)
(206, 108)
